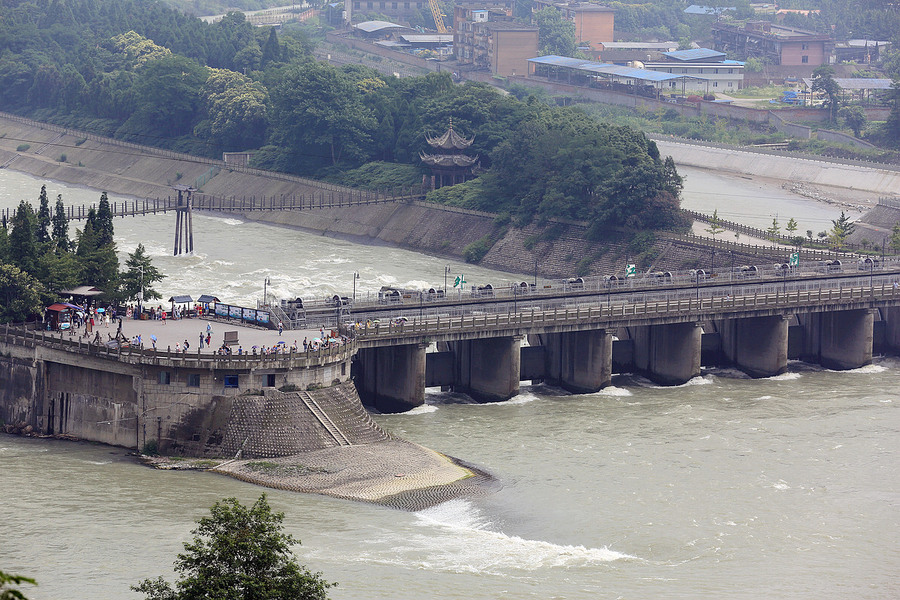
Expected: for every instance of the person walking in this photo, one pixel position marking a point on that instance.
(280, 328)
(201, 340)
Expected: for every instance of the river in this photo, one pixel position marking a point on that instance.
(784, 487)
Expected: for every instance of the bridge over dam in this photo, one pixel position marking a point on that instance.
(579, 343)
(204, 403)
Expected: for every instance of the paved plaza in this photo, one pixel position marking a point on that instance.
(171, 334)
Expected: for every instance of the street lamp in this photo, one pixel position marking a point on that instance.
(446, 271)
(265, 292)
(355, 277)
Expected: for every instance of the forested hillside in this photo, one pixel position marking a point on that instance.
(140, 71)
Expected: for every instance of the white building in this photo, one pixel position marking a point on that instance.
(706, 71)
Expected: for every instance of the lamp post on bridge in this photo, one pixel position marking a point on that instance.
(355, 277)
(446, 271)
(266, 291)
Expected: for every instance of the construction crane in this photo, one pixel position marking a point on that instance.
(438, 16)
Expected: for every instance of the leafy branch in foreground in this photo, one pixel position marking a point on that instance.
(239, 553)
(7, 581)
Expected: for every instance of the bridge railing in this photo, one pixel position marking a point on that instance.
(693, 307)
(24, 335)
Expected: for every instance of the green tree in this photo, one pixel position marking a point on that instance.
(9, 583)
(854, 117)
(895, 238)
(715, 225)
(104, 223)
(60, 233)
(556, 34)
(823, 81)
(319, 118)
(239, 553)
(20, 295)
(891, 128)
(236, 111)
(774, 229)
(841, 229)
(43, 217)
(271, 51)
(791, 227)
(23, 247)
(98, 264)
(139, 268)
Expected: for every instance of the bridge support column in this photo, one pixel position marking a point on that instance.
(392, 379)
(668, 354)
(891, 316)
(757, 346)
(580, 361)
(488, 369)
(840, 339)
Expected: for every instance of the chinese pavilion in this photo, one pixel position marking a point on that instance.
(449, 165)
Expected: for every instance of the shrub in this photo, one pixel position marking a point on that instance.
(477, 250)
(22, 147)
(62, 158)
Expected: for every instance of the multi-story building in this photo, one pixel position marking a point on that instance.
(594, 23)
(703, 70)
(503, 47)
(779, 45)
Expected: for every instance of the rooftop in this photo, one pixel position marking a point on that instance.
(605, 69)
(694, 54)
(857, 83)
(373, 26)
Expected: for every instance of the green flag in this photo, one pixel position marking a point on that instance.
(795, 259)
(630, 270)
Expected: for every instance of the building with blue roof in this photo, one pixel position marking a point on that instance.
(709, 71)
(587, 73)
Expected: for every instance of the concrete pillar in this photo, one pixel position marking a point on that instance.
(668, 354)
(488, 369)
(580, 361)
(757, 346)
(840, 339)
(392, 379)
(891, 316)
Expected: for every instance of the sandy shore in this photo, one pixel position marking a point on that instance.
(394, 473)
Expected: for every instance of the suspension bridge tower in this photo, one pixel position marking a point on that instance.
(184, 224)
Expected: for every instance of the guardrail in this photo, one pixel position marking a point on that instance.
(689, 308)
(21, 335)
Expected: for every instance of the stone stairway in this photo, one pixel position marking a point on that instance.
(324, 419)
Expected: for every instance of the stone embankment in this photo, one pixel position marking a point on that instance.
(559, 250)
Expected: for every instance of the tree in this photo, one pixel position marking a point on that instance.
(841, 230)
(791, 226)
(43, 217)
(235, 110)
(556, 34)
(104, 223)
(715, 225)
(823, 81)
(23, 249)
(140, 269)
(774, 229)
(854, 117)
(20, 295)
(895, 238)
(7, 581)
(60, 233)
(318, 117)
(239, 553)
(892, 125)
